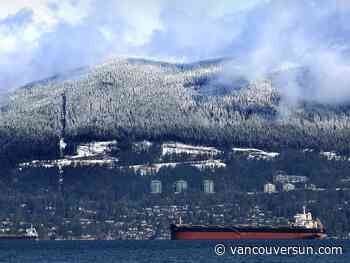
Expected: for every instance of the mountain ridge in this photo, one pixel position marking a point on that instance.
(125, 99)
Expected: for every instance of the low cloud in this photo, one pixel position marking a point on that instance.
(306, 44)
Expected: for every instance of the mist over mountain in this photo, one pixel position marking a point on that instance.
(126, 99)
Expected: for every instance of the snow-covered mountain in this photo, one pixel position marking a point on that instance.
(128, 98)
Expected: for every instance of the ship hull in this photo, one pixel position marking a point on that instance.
(235, 233)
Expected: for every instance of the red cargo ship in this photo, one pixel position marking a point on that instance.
(304, 227)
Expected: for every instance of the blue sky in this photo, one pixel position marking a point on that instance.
(39, 38)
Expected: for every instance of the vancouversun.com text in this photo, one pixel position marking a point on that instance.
(221, 250)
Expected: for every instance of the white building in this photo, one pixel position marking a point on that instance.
(288, 187)
(208, 186)
(311, 187)
(269, 188)
(284, 178)
(180, 186)
(156, 187)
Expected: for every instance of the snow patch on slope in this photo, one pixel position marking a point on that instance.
(256, 154)
(154, 168)
(180, 148)
(334, 156)
(89, 154)
(94, 149)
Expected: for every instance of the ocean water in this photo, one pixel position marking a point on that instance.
(162, 251)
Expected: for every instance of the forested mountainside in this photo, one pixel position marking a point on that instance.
(133, 98)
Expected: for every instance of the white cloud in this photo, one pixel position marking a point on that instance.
(48, 13)
(7, 43)
(132, 21)
(41, 12)
(128, 24)
(72, 12)
(261, 34)
(45, 16)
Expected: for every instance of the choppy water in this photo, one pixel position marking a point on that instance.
(154, 251)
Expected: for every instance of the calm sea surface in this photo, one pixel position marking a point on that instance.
(158, 251)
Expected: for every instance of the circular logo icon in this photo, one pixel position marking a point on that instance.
(220, 249)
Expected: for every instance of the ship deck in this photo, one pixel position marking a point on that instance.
(244, 228)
